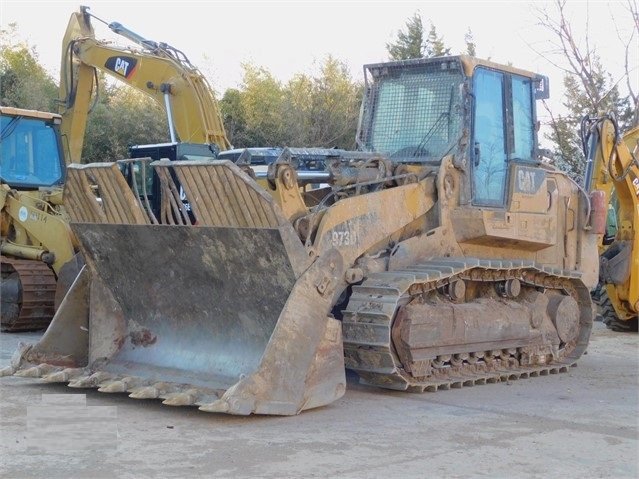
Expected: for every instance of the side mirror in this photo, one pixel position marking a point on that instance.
(542, 87)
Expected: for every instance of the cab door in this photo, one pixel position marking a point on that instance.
(503, 132)
(490, 170)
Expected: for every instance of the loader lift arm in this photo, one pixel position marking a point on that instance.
(613, 168)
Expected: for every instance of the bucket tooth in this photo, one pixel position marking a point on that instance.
(64, 376)
(122, 385)
(112, 387)
(216, 406)
(32, 372)
(150, 392)
(187, 398)
(90, 381)
(37, 371)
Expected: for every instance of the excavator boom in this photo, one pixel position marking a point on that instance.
(156, 69)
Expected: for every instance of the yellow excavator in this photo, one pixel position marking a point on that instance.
(154, 68)
(613, 169)
(36, 146)
(443, 253)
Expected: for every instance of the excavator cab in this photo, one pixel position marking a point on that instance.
(146, 184)
(442, 253)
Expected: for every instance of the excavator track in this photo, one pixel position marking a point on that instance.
(28, 295)
(547, 318)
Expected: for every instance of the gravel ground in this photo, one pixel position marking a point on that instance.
(580, 424)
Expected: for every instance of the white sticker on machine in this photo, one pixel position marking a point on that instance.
(23, 214)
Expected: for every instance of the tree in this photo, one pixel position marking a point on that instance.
(434, 45)
(413, 43)
(262, 102)
(409, 44)
(299, 111)
(122, 117)
(308, 111)
(322, 111)
(631, 49)
(590, 89)
(471, 47)
(234, 117)
(23, 82)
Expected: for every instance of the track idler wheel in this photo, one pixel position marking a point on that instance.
(28, 295)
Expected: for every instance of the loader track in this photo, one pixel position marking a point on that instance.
(370, 324)
(33, 309)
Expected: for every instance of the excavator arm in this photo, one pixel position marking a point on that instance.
(156, 69)
(613, 168)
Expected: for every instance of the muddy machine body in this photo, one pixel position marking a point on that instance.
(443, 253)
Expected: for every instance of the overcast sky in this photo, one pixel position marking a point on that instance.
(289, 37)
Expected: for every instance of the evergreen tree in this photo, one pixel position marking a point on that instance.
(471, 47)
(589, 90)
(584, 98)
(322, 111)
(262, 101)
(409, 43)
(122, 117)
(414, 43)
(434, 45)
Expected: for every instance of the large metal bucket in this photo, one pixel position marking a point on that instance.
(230, 315)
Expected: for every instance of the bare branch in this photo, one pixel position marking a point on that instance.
(631, 46)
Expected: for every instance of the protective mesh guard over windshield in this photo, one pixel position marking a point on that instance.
(412, 111)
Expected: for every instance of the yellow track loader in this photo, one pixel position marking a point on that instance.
(442, 253)
(38, 248)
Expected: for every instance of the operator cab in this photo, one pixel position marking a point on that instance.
(32, 155)
(420, 111)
